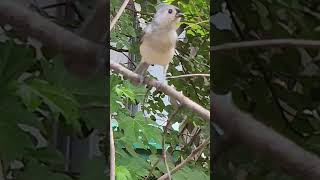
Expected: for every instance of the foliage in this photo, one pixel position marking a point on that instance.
(37, 91)
(276, 85)
(138, 138)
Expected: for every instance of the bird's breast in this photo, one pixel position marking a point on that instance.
(158, 48)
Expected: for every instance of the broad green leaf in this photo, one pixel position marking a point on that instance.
(122, 173)
(29, 97)
(50, 156)
(13, 140)
(14, 60)
(59, 100)
(36, 171)
(94, 169)
(139, 127)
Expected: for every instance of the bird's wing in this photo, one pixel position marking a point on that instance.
(146, 32)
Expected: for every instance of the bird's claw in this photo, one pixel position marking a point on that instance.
(158, 85)
(141, 80)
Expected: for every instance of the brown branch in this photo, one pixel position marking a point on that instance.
(116, 18)
(152, 169)
(95, 26)
(188, 75)
(268, 43)
(260, 138)
(112, 155)
(31, 24)
(187, 160)
(164, 150)
(170, 91)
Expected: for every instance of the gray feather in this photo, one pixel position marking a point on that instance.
(142, 68)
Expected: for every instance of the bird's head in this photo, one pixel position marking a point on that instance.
(168, 15)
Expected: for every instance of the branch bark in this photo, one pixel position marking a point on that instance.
(246, 130)
(268, 43)
(188, 75)
(168, 90)
(122, 8)
(95, 26)
(112, 155)
(31, 24)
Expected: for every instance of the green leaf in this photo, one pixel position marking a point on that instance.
(139, 127)
(36, 171)
(14, 60)
(122, 173)
(49, 156)
(29, 97)
(95, 118)
(94, 169)
(13, 140)
(136, 165)
(59, 101)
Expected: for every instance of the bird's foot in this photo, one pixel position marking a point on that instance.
(158, 85)
(138, 82)
(141, 80)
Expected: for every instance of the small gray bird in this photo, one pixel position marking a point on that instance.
(159, 40)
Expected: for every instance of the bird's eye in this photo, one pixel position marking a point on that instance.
(170, 11)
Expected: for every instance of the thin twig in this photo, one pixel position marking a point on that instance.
(145, 97)
(163, 142)
(164, 150)
(129, 59)
(187, 160)
(116, 18)
(153, 167)
(302, 43)
(118, 50)
(112, 155)
(188, 75)
(164, 156)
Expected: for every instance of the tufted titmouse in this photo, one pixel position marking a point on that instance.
(159, 40)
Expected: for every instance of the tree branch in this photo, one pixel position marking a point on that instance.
(31, 24)
(250, 132)
(112, 155)
(268, 43)
(170, 91)
(187, 160)
(115, 19)
(95, 26)
(188, 75)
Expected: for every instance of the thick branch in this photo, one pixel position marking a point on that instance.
(246, 130)
(31, 24)
(170, 91)
(268, 43)
(95, 26)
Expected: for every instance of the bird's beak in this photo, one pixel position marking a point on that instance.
(178, 15)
